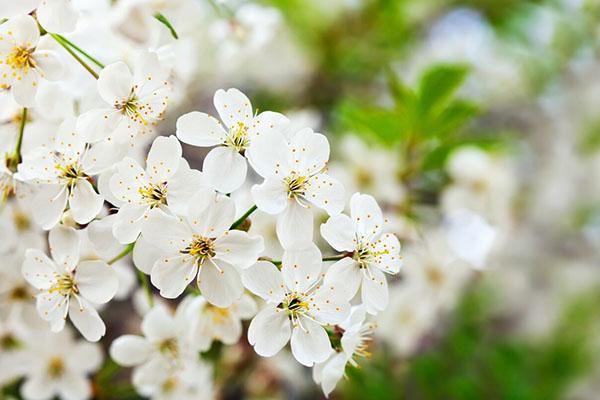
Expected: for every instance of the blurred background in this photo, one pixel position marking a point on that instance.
(434, 107)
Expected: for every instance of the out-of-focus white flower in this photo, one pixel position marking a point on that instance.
(372, 252)
(225, 165)
(295, 180)
(57, 16)
(408, 318)
(23, 63)
(69, 286)
(297, 306)
(368, 169)
(354, 341)
(58, 365)
(481, 182)
(208, 323)
(249, 30)
(135, 101)
(201, 245)
(167, 183)
(160, 356)
(438, 272)
(470, 236)
(61, 173)
(191, 380)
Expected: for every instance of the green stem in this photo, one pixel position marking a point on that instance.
(64, 44)
(277, 263)
(163, 20)
(241, 219)
(80, 50)
(128, 249)
(144, 282)
(20, 138)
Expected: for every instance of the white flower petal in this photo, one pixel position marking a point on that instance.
(310, 343)
(24, 89)
(130, 350)
(163, 159)
(183, 186)
(220, 286)
(48, 205)
(233, 107)
(239, 248)
(225, 169)
(346, 275)
(57, 16)
(87, 321)
(114, 83)
(374, 291)
(301, 267)
(97, 281)
(388, 249)
(23, 30)
(38, 269)
(64, 246)
(338, 231)
(211, 215)
(168, 233)
(49, 65)
(85, 204)
(295, 226)
(145, 255)
(270, 196)
(173, 274)
(270, 155)
(326, 193)
(264, 280)
(200, 129)
(310, 152)
(129, 222)
(269, 331)
(332, 372)
(158, 324)
(367, 216)
(266, 123)
(74, 386)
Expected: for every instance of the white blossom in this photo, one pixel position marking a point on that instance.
(68, 286)
(371, 252)
(225, 165)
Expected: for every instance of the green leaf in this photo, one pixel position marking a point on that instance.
(166, 23)
(438, 84)
(374, 123)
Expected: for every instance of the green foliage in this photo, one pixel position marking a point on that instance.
(428, 112)
(479, 359)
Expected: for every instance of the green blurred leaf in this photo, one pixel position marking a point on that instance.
(438, 84)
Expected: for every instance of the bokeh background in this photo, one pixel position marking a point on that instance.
(432, 106)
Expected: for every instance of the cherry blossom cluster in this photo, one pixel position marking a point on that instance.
(83, 182)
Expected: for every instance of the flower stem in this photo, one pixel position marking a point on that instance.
(79, 49)
(277, 263)
(144, 282)
(20, 138)
(66, 46)
(243, 217)
(128, 249)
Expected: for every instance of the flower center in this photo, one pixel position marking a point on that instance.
(70, 173)
(435, 276)
(19, 293)
(238, 138)
(8, 342)
(294, 305)
(362, 255)
(133, 109)
(170, 384)
(219, 315)
(154, 194)
(169, 347)
(65, 285)
(21, 221)
(201, 248)
(56, 367)
(296, 186)
(7, 187)
(21, 58)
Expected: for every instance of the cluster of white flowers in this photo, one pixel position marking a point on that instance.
(77, 176)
